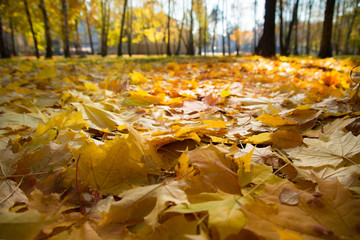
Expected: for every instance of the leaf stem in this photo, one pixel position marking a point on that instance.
(13, 191)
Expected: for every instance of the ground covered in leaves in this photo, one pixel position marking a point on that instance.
(178, 148)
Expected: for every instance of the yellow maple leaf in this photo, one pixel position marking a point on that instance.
(245, 160)
(137, 78)
(274, 120)
(117, 165)
(73, 120)
(184, 167)
(262, 138)
(215, 123)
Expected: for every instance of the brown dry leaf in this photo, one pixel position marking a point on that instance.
(146, 203)
(338, 148)
(50, 157)
(287, 138)
(289, 197)
(330, 213)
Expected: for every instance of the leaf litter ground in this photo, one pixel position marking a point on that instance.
(179, 148)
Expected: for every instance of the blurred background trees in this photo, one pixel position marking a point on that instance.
(156, 27)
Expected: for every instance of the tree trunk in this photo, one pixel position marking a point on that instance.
(129, 31)
(223, 28)
(78, 40)
(348, 33)
(337, 33)
(266, 46)
(308, 28)
(229, 45)
(13, 37)
(3, 51)
(168, 50)
(281, 36)
(214, 33)
(180, 35)
(237, 44)
(65, 29)
(89, 31)
(296, 50)
(105, 18)
(286, 48)
(119, 50)
(325, 47)
(255, 22)
(31, 28)
(48, 53)
(190, 50)
(156, 42)
(200, 40)
(205, 30)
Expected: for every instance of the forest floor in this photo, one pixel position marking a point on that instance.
(179, 148)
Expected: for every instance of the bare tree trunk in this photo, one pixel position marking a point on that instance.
(119, 50)
(286, 49)
(205, 29)
(78, 40)
(266, 46)
(13, 37)
(129, 30)
(31, 28)
(199, 13)
(214, 33)
(48, 53)
(191, 50)
(65, 29)
(296, 50)
(281, 37)
(309, 28)
(180, 35)
(105, 18)
(223, 27)
(168, 50)
(229, 43)
(348, 33)
(337, 33)
(200, 40)
(255, 22)
(89, 31)
(325, 46)
(156, 42)
(237, 43)
(3, 51)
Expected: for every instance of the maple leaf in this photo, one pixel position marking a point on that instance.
(287, 138)
(49, 157)
(329, 213)
(333, 150)
(146, 203)
(224, 212)
(118, 164)
(10, 192)
(177, 227)
(24, 225)
(99, 118)
(274, 120)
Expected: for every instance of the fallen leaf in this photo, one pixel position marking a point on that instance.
(334, 150)
(274, 120)
(289, 197)
(287, 138)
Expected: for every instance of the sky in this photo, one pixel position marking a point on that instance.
(242, 10)
(239, 12)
